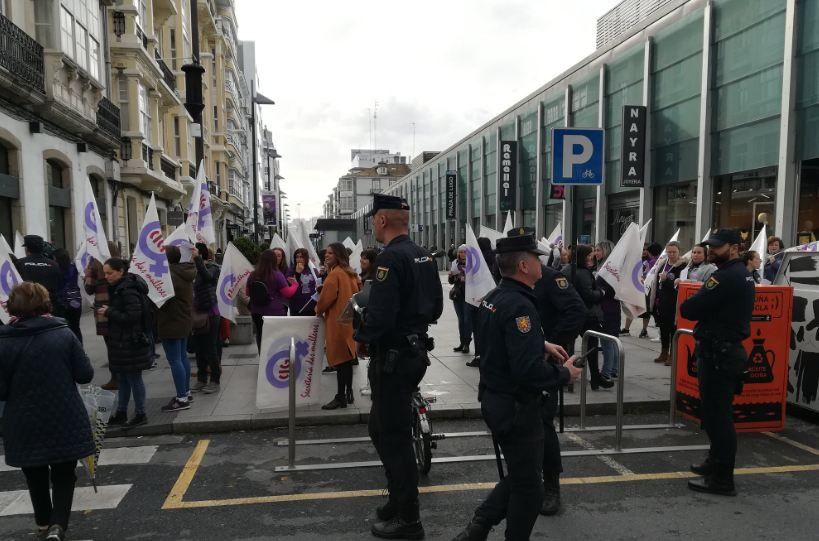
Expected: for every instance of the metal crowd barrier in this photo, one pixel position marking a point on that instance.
(621, 376)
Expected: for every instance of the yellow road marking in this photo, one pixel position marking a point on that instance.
(796, 444)
(176, 500)
(177, 493)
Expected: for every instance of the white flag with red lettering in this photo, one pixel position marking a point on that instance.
(479, 280)
(94, 236)
(149, 260)
(200, 215)
(236, 269)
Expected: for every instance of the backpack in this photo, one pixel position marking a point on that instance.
(259, 294)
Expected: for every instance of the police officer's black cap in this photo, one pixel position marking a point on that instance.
(721, 237)
(519, 240)
(387, 202)
(35, 243)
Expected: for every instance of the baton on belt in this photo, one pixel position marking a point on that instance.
(498, 457)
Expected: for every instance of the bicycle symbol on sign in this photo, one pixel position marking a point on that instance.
(588, 173)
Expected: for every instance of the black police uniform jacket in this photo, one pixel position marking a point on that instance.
(406, 295)
(559, 305)
(722, 309)
(514, 370)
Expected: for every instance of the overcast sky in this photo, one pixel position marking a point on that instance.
(446, 65)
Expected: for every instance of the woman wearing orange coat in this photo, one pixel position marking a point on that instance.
(339, 286)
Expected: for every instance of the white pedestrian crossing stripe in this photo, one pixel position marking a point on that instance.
(17, 502)
(114, 456)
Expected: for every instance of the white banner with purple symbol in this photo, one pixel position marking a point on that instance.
(272, 386)
(5, 245)
(149, 260)
(555, 238)
(491, 234)
(9, 277)
(200, 215)
(81, 261)
(182, 239)
(623, 268)
(808, 247)
(479, 279)
(232, 278)
(95, 240)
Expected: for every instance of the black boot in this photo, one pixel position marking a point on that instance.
(477, 530)
(475, 362)
(551, 495)
(706, 468)
(350, 397)
(398, 528)
(337, 402)
(465, 347)
(388, 511)
(459, 348)
(720, 482)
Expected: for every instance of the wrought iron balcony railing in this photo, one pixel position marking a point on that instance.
(167, 74)
(108, 118)
(21, 55)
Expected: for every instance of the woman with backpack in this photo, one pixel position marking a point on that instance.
(341, 284)
(130, 350)
(69, 296)
(268, 289)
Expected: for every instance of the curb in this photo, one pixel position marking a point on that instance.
(260, 421)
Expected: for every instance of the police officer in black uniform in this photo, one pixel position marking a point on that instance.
(514, 375)
(38, 268)
(406, 297)
(722, 309)
(562, 315)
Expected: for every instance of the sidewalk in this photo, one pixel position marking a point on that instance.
(454, 385)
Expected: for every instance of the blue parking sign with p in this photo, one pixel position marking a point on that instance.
(577, 156)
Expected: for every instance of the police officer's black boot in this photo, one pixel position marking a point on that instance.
(459, 348)
(465, 347)
(706, 468)
(551, 494)
(477, 530)
(404, 525)
(720, 481)
(387, 511)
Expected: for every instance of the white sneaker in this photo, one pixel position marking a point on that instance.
(655, 339)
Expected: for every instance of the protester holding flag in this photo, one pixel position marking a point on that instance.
(95, 284)
(302, 303)
(267, 289)
(776, 252)
(68, 296)
(206, 321)
(698, 270)
(654, 250)
(340, 286)
(45, 424)
(129, 344)
(665, 311)
(610, 306)
(592, 295)
(174, 323)
(457, 277)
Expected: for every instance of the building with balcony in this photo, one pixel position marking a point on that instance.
(356, 188)
(58, 127)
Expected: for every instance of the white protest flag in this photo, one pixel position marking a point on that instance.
(348, 243)
(651, 275)
(622, 270)
(278, 242)
(19, 249)
(705, 238)
(293, 240)
(307, 244)
(644, 231)
(149, 260)
(355, 257)
(509, 224)
(9, 277)
(555, 238)
(81, 261)
(200, 215)
(491, 234)
(807, 247)
(236, 269)
(272, 385)
(5, 245)
(95, 241)
(182, 239)
(760, 246)
(479, 279)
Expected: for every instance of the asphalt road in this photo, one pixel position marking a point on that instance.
(229, 489)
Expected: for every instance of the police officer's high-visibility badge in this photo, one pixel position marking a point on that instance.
(711, 283)
(524, 324)
(381, 273)
(562, 282)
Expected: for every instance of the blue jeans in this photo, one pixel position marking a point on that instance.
(176, 350)
(610, 359)
(462, 310)
(131, 382)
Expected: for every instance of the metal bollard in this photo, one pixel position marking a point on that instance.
(618, 434)
(291, 423)
(672, 395)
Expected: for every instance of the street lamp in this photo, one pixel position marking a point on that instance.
(254, 100)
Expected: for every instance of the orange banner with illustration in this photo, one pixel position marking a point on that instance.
(761, 406)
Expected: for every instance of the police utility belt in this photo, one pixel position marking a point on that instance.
(520, 396)
(388, 352)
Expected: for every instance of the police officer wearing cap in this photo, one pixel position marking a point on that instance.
(38, 268)
(514, 375)
(406, 297)
(722, 309)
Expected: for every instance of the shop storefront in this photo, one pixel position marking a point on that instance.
(624, 209)
(807, 224)
(746, 201)
(675, 207)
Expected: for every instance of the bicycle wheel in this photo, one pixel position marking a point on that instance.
(422, 445)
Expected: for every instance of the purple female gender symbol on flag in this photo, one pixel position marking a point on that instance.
(150, 242)
(635, 277)
(473, 260)
(8, 279)
(278, 367)
(90, 217)
(204, 207)
(227, 283)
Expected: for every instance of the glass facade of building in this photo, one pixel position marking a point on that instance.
(713, 132)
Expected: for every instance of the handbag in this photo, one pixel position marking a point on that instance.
(201, 322)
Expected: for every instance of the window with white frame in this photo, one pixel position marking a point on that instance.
(125, 117)
(67, 31)
(80, 46)
(44, 24)
(173, 48)
(142, 14)
(94, 58)
(144, 114)
(80, 32)
(177, 138)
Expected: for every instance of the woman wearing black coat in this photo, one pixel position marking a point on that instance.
(45, 424)
(592, 295)
(665, 312)
(130, 349)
